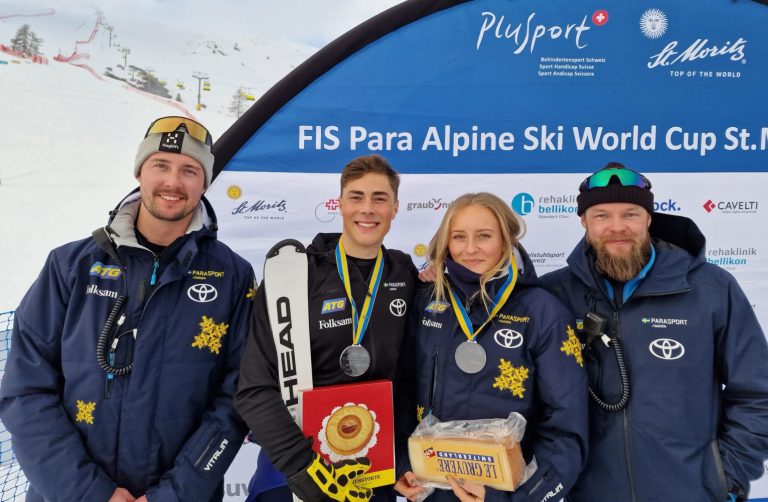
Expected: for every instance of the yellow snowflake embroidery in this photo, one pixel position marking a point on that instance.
(85, 411)
(511, 378)
(419, 412)
(210, 335)
(251, 293)
(572, 346)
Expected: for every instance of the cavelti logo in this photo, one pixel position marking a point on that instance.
(731, 206)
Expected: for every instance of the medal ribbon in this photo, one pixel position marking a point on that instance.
(359, 324)
(498, 302)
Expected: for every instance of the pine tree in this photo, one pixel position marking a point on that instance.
(26, 41)
(150, 83)
(239, 104)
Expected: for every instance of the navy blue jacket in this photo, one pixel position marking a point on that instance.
(168, 429)
(697, 418)
(532, 343)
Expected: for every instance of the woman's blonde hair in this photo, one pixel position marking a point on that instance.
(512, 230)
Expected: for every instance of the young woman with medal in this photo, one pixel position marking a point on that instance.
(485, 340)
(358, 295)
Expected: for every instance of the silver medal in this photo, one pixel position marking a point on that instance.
(470, 357)
(355, 360)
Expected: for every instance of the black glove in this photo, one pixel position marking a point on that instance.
(321, 480)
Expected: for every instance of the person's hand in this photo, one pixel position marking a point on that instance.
(320, 481)
(428, 274)
(122, 495)
(466, 490)
(407, 487)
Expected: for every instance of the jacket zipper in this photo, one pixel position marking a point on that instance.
(625, 422)
(433, 384)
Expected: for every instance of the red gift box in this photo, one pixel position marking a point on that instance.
(351, 421)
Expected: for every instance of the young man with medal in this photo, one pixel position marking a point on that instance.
(486, 340)
(358, 294)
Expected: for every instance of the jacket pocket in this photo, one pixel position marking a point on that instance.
(714, 474)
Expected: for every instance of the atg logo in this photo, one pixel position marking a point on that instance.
(111, 272)
(437, 307)
(333, 305)
(731, 206)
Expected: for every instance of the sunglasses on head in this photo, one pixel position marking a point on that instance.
(626, 177)
(171, 124)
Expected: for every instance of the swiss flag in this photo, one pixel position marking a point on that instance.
(600, 17)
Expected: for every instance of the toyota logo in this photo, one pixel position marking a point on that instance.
(202, 293)
(508, 338)
(666, 348)
(397, 307)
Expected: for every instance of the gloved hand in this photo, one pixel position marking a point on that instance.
(321, 480)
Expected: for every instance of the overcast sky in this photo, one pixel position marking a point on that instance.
(312, 22)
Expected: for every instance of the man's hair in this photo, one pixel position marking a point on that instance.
(367, 164)
(512, 230)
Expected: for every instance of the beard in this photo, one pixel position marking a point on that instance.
(621, 268)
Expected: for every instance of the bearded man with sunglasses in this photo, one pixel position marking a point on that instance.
(677, 362)
(126, 349)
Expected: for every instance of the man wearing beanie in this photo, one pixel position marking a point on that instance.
(675, 356)
(126, 349)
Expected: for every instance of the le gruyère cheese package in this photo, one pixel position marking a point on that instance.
(484, 451)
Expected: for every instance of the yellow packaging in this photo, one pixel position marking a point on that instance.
(500, 466)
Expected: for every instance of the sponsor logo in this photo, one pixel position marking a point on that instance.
(394, 285)
(731, 257)
(286, 354)
(234, 192)
(397, 307)
(466, 464)
(431, 324)
(202, 293)
(420, 250)
(667, 349)
(523, 203)
(205, 274)
(523, 36)
(171, 142)
(327, 211)
(666, 206)
(548, 206)
(552, 493)
(333, 323)
(333, 305)
(600, 17)
(216, 455)
(507, 318)
(653, 23)
(731, 206)
(437, 307)
(657, 322)
(93, 289)
(435, 204)
(580, 324)
(508, 338)
(429, 452)
(110, 272)
(548, 259)
(262, 210)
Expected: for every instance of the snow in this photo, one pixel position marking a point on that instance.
(68, 135)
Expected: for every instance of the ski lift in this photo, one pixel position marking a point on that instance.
(207, 85)
(250, 97)
(180, 85)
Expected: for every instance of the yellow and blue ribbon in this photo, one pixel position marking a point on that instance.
(497, 303)
(359, 323)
